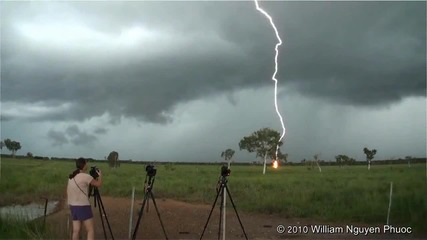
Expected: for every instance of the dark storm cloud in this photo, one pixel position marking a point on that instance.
(357, 53)
(4, 117)
(58, 138)
(363, 53)
(73, 134)
(100, 130)
(83, 139)
(72, 130)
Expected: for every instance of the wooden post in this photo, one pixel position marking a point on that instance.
(131, 212)
(70, 233)
(45, 212)
(389, 204)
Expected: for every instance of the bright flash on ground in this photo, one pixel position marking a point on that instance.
(275, 164)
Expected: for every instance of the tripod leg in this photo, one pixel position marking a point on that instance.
(106, 218)
(148, 202)
(213, 206)
(139, 217)
(158, 214)
(97, 199)
(220, 211)
(148, 205)
(241, 225)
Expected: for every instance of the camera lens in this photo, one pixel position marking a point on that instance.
(93, 172)
(225, 171)
(151, 170)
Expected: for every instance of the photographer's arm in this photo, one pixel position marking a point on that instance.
(97, 182)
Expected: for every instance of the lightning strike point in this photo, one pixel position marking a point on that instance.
(275, 70)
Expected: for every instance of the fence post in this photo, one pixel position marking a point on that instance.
(131, 212)
(45, 212)
(389, 204)
(70, 234)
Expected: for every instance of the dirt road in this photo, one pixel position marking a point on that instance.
(186, 221)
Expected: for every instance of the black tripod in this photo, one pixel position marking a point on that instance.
(97, 199)
(220, 192)
(148, 193)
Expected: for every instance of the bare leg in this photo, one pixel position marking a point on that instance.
(90, 229)
(76, 229)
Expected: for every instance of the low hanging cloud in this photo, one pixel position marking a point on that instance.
(57, 137)
(100, 130)
(142, 59)
(73, 134)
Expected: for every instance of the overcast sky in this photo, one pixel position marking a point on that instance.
(183, 81)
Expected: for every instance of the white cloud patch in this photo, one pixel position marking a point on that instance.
(33, 110)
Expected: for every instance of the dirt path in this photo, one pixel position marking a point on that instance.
(186, 221)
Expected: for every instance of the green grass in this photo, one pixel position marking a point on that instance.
(13, 228)
(346, 195)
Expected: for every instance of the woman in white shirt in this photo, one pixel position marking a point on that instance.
(78, 198)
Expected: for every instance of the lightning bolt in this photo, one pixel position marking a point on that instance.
(275, 70)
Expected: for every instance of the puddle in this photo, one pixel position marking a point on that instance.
(27, 212)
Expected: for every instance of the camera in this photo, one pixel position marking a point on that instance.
(151, 170)
(93, 172)
(225, 171)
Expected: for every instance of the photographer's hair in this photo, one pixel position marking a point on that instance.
(80, 163)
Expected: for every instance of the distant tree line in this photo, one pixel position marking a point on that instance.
(303, 162)
(264, 143)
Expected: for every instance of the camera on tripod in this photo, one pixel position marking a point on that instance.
(94, 191)
(148, 186)
(94, 172)
(222, 190)
(225, 171)
(151, 170)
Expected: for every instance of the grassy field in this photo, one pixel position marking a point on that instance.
(350, 194)
(11, 228)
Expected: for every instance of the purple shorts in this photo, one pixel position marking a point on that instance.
(81, 213)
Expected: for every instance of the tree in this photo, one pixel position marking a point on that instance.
(227, 155)
(264, 142)
(316, 159)
(12, 146)
(344, 159)
(341, 159)
(29, 154)
(351, 161)
(113, 159)
(369, 155)
(283, 157)
(408, 158)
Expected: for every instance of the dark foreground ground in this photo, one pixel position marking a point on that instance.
(186, 221)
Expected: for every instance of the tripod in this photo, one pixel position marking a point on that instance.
(97, 199)
(148, 193)
(220, 192)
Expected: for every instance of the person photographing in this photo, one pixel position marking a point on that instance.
(78, 198)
